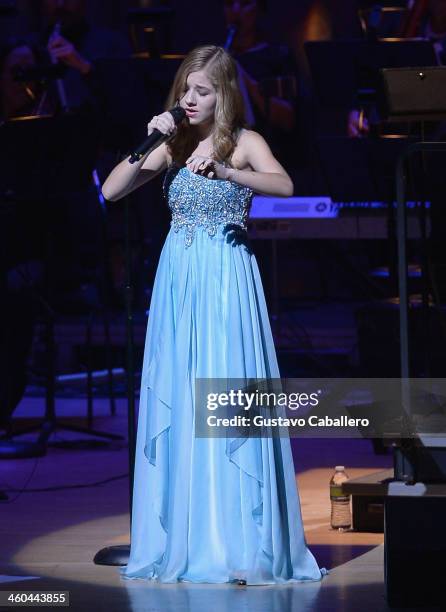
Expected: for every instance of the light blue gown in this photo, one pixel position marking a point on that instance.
(208, 509)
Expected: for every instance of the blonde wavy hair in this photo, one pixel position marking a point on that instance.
(229, 110)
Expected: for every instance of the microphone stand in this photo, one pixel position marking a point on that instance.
(119, 554)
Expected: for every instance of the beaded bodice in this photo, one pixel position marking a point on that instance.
(196, 201)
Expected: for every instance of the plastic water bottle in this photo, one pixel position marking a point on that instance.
(341, 518)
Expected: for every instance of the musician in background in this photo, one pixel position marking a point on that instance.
(68, 39)
(77, 46)
(259, 60)
(16, 98)
(260, 63)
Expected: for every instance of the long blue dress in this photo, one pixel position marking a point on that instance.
(205, 509)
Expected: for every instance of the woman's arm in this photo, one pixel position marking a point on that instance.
(267, 176)
(127, 177)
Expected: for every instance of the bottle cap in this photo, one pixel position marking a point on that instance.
(340, 468)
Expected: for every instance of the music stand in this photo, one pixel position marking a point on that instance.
(423, 454)
(345, 73)
(414, 84)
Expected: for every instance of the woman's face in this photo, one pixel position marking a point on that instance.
(199, 98)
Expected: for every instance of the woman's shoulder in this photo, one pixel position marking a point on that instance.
(249, 139)
(248, 144)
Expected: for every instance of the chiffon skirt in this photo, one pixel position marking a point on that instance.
(210, 509)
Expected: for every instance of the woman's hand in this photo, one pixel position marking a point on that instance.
(208, 167)
(164, 123)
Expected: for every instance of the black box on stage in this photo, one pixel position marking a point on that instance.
(414, 551)
(368, 513)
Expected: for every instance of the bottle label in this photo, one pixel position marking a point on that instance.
(337, 493)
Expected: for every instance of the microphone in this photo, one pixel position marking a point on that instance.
(156, 137)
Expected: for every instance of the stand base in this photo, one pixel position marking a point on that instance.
(113, 555)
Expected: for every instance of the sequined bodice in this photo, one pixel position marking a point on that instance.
(196, 201)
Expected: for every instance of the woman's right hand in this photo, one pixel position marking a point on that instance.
(164, 123)
(126, 177)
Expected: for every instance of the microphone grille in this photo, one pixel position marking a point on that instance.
(178, 113)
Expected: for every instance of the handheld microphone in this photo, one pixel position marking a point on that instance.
(156, 137)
